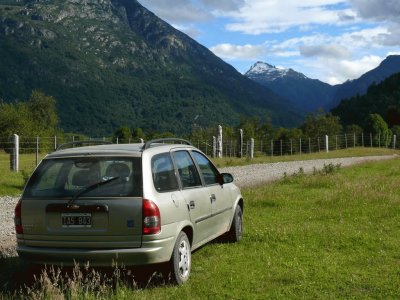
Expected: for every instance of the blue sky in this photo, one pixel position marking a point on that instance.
(330, 40)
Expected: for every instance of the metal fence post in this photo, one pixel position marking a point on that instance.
(55, 142)
(394, 141)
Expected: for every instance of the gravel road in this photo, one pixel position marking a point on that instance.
(245, 176)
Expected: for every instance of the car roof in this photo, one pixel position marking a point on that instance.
(119, 149)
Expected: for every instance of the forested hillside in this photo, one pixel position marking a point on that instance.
(382, 99)
(112, 63)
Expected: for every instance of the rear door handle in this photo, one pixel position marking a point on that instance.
(192, 205)
(213, 198)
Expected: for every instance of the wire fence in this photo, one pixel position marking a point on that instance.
(33, 149)
(281, 147)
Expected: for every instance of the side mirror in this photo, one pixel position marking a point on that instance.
(224, 178)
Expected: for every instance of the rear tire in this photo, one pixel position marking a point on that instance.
(181, 260)
(236, 231)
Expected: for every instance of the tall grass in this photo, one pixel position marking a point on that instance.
(333, 234)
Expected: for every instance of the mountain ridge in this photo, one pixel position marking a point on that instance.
(309, 95)
(382, 98)
(305, 94)
(112, 63)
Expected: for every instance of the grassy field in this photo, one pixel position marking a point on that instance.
(332, 235)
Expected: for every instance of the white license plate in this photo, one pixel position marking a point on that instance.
(76, 220)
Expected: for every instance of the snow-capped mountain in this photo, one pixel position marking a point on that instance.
(305, 93)
(264, 71)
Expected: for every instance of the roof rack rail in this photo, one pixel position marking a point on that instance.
(95, 142)
(166, 140)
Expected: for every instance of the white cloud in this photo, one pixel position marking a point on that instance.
(177, 11)
(344, 45)
(328, 51)
(387, 13)
(225, 5)
(352, 69)
(263, 16)
(245, 52)
(334, 71)
(378, 10)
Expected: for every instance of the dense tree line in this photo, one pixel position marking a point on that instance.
(382, 99)
(36, 116)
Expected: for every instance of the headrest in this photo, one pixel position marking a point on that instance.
(118, 170)
(81, 178)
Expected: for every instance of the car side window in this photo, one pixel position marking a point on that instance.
(207, 169)
(162, 168)
(187, 170)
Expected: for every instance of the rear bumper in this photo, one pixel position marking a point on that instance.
(151, 252)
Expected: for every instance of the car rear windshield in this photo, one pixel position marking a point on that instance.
(86, 177)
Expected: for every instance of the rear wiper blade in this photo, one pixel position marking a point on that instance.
(88, 189)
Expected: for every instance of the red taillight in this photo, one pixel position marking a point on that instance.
(151, 218)
(18, 219)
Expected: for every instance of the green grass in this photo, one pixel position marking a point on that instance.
(12, 183)
(332, 235)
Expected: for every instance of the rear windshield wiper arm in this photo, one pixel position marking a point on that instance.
(88, 189)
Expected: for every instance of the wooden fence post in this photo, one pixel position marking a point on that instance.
(251, 148)
(327, 143)
(14, 156)
(214, 146)
(240, 150)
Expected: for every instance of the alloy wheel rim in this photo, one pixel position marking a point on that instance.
(184, 259)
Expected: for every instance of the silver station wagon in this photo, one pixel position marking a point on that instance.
(134, 204)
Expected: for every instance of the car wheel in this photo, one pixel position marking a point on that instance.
(181, 260)
(235, 233)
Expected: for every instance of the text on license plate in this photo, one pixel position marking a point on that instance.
(76, 220)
